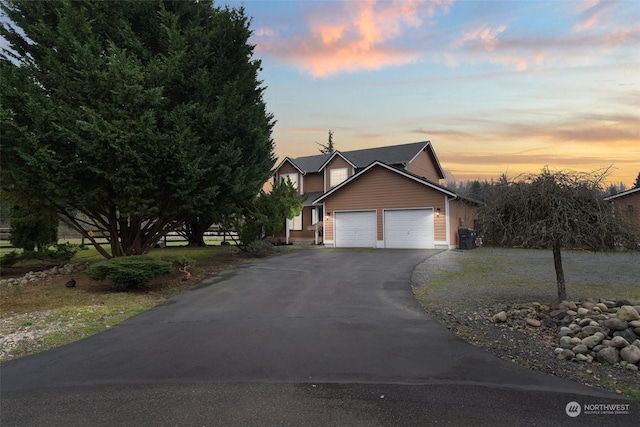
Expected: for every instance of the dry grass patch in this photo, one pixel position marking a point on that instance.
(46, 314)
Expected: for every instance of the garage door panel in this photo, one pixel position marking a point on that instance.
(355, 229)
(409, 228)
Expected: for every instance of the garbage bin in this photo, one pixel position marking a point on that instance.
(466, 238)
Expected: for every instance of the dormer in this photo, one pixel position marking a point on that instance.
(336, 170)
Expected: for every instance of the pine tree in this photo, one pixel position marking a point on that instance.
(327, 148)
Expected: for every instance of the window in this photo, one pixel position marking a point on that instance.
(293, 177)
(295, 223)
(337, 176)
(316, 215)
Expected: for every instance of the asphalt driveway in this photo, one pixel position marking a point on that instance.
(315, 337)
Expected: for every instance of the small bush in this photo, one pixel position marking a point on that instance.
(64, 251)
(10, 259)
(184, 261)
(260, 247)
(129, 272)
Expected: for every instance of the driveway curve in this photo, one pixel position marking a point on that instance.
(313, 337)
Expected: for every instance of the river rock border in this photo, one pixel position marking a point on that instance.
(606, 331)
(35, 276)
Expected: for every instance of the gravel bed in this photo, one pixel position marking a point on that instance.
(467, 309)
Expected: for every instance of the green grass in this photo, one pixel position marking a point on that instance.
(517, 275)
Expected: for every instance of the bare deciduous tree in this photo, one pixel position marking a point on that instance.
(553, 209)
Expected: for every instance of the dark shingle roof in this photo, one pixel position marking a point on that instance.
(392, 155)
(311, 163)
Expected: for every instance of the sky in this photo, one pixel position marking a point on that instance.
(496, 86)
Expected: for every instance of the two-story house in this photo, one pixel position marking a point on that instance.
(387, 197)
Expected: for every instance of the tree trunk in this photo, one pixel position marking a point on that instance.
(557, 262)
(195, 230)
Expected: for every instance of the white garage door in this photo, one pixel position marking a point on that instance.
(355, 229)
(410, 228)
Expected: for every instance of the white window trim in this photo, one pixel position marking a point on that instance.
(296, 183)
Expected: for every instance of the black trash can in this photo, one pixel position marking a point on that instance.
(467, 238)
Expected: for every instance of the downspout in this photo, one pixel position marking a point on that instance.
(286, 228)
(448, 219)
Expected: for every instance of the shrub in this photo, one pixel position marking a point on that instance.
(60, 251)
(10, 259)
(129, 272)
(260, 247)
(184, 261)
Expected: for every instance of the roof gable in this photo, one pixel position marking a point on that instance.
(401, 172)
(332, 156)
(291, 162)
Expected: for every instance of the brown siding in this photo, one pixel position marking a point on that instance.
(336, 163)
(461, 215)
(313, 182)
(629, 208)
(424, 165)
(381, 189)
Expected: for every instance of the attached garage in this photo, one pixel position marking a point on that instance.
(409, 228)
(355, 229)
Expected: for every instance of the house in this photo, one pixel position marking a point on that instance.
(627, 203)
(387, 197)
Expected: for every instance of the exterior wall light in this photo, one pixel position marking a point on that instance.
(438, 212)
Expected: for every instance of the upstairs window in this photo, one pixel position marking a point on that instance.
(337, 176)
(293, 177)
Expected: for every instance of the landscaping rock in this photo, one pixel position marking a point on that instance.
(500, 317)
(630, 354)
(581, 349)
(564, 331)
(608, 355)
(533, 322)
(583, 311)
(565, 342)
(618, 342)
(593, 340)
(566, 354)
(627, 334)
(615, 324)
(627, 313)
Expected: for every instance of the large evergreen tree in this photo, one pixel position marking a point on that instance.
(132, 117)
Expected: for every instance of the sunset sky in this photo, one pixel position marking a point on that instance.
(497, 87)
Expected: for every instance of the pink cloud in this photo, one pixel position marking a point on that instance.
(357, 37)
(591, 13)
(484, 36)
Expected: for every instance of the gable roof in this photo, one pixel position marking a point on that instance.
(287, 159)
(404, 173)
(391, 155)
(622, 194)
